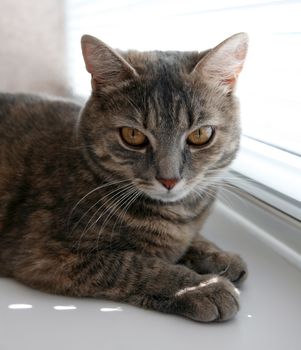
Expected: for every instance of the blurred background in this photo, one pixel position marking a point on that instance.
(40, 49)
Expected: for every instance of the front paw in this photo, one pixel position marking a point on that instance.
(228, 265)
(214, 299)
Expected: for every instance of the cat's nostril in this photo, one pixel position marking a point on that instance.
(168, 183)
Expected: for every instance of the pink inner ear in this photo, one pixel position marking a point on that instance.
(231, 81)
(239, 55)
(241, 51)
(106, 66)
(224, 63)
(87, 54)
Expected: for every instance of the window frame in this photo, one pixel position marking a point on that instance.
(269, 174)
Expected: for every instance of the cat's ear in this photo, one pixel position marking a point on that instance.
(221, 66)
(106, 66)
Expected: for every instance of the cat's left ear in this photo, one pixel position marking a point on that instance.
(106, 66)
(221, 66)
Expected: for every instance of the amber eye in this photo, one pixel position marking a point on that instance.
(133, 137)
(201, 136)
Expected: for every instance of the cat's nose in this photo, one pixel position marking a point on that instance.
(168, 183)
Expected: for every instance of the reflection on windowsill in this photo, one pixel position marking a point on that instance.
(64, 307)
(61, 307)
(20, 306)
(110, 309)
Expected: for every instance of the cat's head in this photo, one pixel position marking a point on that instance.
(165, 121)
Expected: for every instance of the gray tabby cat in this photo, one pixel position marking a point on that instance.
(108, 200)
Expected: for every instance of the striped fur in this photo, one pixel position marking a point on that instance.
(79, 214)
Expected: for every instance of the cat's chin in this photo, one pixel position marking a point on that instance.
(168, 196)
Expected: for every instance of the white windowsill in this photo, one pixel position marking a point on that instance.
(270, 174)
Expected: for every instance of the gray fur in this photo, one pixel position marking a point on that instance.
(83, 214)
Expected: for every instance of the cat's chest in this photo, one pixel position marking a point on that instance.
(167, 235)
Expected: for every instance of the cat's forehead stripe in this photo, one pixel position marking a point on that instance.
(165, 113)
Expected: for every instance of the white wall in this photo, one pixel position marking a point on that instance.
(32, 46)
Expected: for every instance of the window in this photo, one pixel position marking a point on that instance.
(269, 85)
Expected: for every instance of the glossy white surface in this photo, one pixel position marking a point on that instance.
(269, 317)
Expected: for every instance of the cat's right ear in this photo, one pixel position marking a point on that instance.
(106, 66)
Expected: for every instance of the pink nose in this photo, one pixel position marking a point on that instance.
(168, 183)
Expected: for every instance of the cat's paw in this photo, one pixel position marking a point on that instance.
(235, 269)
(228, 265)
(214, 299)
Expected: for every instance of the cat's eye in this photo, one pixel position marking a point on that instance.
(133, 137)
(201, 136)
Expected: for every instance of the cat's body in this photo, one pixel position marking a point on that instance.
(80, 214)
(43, 177)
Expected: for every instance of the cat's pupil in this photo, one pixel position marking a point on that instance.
(133, 136)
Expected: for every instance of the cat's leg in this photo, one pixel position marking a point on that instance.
(143, 281)
(205, 257)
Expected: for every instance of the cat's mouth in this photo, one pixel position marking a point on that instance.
(158, 192)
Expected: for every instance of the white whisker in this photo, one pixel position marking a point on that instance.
(132, 199)
(88, 194)
(117, 193)
(118, 205)
(102, 198)
(105, 204)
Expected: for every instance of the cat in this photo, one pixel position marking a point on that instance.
(107, 200)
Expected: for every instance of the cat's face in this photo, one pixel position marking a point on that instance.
(165, 121)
